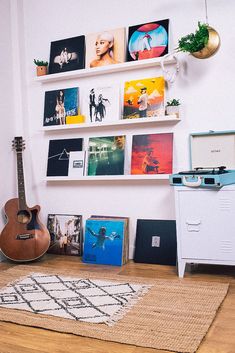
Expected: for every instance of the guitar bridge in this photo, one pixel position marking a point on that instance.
(24, 236)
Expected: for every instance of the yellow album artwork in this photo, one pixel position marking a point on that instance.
(144, 98)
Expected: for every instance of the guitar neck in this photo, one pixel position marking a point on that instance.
(20, 177)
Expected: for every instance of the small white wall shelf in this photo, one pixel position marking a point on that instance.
(112, 177)
(172, 119)
(126, 66)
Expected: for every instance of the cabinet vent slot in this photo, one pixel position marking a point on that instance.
(226, 246)
(225, 204)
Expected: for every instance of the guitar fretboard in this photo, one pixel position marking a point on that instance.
(21, 188)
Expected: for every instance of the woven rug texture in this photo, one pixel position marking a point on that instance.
(172, 315)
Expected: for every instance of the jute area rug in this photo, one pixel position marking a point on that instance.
(171, 315)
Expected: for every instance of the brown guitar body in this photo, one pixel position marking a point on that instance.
(24, 237)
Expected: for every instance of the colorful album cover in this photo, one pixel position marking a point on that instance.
(152, 154)
(144, 98)
(66, 234)
(104, 242)
(67, 55)
(105, 48)
(101, 104)
(59, 155)
(61, 106)
(148, 40)
(106, 155)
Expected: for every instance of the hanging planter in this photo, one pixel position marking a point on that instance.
(202, 44)
(211, 47)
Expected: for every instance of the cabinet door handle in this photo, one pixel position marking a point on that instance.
(193, 184)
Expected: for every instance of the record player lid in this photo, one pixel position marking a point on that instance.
(213, 149)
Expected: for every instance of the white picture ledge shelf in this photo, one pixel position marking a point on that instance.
(126, 66)
(112, 177)
(122, 122)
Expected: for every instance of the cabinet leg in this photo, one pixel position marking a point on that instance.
(181, 268)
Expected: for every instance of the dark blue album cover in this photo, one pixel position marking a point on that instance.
(59, 105)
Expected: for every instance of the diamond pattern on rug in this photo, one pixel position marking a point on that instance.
(88, 300)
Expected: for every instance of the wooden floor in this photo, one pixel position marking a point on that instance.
(219, 339)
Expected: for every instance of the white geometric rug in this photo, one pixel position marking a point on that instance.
(89, 300)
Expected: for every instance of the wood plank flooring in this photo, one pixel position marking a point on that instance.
(220, 338)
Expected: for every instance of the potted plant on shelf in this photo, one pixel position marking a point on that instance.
(41, 67)
(202, 44)
(172, 107)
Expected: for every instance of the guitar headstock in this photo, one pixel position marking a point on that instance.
(18, 144)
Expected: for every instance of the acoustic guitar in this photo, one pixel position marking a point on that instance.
(24, 237)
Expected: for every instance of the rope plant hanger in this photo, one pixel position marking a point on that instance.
(202, 44)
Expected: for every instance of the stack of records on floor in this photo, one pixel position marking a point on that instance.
(106, 240)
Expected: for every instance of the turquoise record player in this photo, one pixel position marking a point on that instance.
(212, 161)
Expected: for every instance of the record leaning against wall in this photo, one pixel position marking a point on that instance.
(147, 40)
(66, 234)
(59, 154)
(67, 55)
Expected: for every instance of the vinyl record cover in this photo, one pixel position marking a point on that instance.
(148, 40)
(152, 154)
(67, 55)
(105, 48)
(156, 242)
(104, 241)
(59, 154)
(59, 105)
(101, 104)
(144, 98)
(66, 234)
(76, 164)
(106, 155)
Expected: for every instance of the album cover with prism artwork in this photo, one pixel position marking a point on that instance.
(59, 155)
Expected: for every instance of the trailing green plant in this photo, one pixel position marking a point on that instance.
(194, 42)
(40, 62)
(172, 103)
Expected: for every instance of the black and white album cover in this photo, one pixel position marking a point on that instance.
(59, 155)
(101, 104)
(67, 55)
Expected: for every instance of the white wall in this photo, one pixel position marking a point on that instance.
(204, 87)
(7, 169)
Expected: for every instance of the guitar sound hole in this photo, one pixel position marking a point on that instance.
(23, 216)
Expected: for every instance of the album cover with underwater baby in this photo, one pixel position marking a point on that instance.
(104, 241)
(144, 98)
(147, 40)
(106, 47)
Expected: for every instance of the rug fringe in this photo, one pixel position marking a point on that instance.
(124, 310)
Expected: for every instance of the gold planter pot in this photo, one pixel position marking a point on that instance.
(211, 47)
